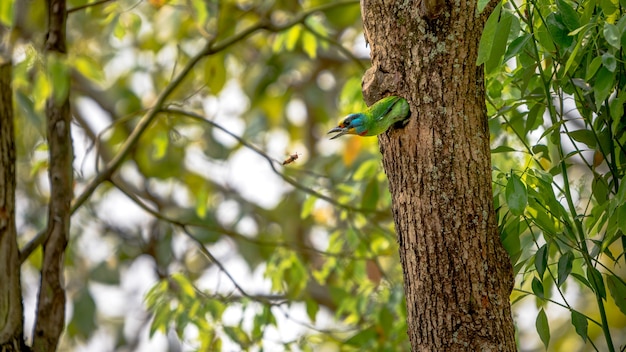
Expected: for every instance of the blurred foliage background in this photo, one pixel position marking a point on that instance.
(196, 237)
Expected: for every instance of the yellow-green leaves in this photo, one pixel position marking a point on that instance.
(200, 11)
(287, 273)
(6, 12)
(309, 44)
(41, 90)
(51, 79)
(306, 35)
(215, 72)
(159, 155)
(89, 68)
(127, 23)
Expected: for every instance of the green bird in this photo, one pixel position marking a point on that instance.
(376, 119)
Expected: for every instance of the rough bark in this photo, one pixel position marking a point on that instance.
(11, 309)
(50, 320)
(457, 275)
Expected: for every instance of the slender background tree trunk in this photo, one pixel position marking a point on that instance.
(11, 310)
(457, 275)
(50, 321)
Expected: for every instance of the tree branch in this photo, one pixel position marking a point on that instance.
(11, 308)
(50, 320)
(208, 49)
(272, 162)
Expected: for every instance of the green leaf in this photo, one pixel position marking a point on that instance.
(295, 275)
(502, 149)
(535, 117)
(83, 321)
(616, 107)
(609, 61)
(541, 259)
(162, 317)
(6, 13)
(581, 279)
(617, 288)
(293, 35)
(311, 309)
(541, 150)
(482, 4)
(596, 282)
(161, 141)
(593, 68)
(543, 329)
(498, 48)
(603, 86)
(488, 36)
(59, 77)
(580, 324)
(568, 14)
(105, 273)
(202, 200)
(367, 170)
(573, 56)
(370, 194)
(612, 35)
(608, 7)
(362, 338)
(621, 192)
(237, 334)
(510, 237)
(215, 72)
(201, 11)
(183, 285)
(89, 68)
(279, 42)
(564, 267)
(214, 307)
(558, 30)
(309, 44)
(307, 207)
(584, 136)
(516, 46)
(600, 189)
(516, 195)
(537, 287)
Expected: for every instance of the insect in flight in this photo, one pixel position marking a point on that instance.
(291, 158)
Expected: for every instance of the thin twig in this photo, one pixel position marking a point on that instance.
(272, 162)
(208, 49)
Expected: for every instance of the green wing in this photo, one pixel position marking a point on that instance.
(381, 108)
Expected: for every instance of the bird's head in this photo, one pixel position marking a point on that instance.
(351, 124)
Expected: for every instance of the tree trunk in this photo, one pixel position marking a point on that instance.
(51, 304)
(457, 275)
(11, 309)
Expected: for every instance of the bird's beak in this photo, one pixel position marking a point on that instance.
(341, 130)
